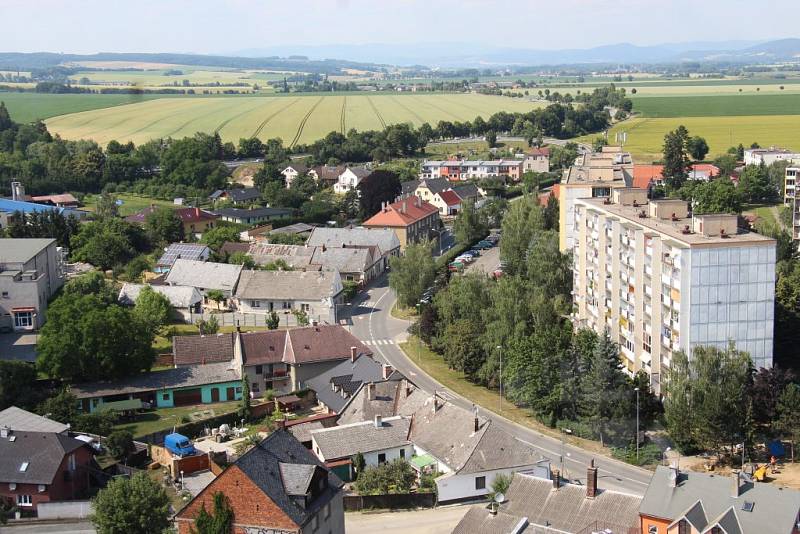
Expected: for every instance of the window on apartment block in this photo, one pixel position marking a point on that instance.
(480, 483)
(382, 458)
(23, 319)
(24, 500)
(647, 342)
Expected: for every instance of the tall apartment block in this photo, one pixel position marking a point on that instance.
(790, 197)
(659, 280)
(594, 175)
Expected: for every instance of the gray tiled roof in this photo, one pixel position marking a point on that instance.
(774, 512)
(179, 296)
(255, 213)
(43, 451)
(23, 420)
(296, 228)
(204, 275)
(344, 260)
(296, 477)
(478, 520)
(181, 377)
(385, 239)
(261, 464)
(390, 397)
(365, 369)
(569, 509)
(296, 256)
(346, 441)
(289, 285)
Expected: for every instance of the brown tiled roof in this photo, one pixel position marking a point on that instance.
(263, 347)
(229, 247)
(189, 350)
(186, 215)
(321, 343)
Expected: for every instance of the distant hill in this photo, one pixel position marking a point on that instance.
(38, 60)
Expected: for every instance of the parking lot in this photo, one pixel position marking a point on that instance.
(488, 261)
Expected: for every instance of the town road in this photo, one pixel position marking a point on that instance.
(372, 322)
(62, 527)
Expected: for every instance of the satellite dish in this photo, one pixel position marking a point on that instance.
(499, 498)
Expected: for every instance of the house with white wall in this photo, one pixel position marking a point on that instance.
(350, 178)
(379, 441)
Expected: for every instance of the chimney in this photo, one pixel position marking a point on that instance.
(735, 483)
(197, 212)
(333, 386)
(435, 402)
(591, 480)
(386, 371)
(673, 476)
(5, 431)
(282, 423)
(477, 423)
(556, 476)
(378, 421)
(353, 354)
(406, 387)
(370, 391)
(323, 247)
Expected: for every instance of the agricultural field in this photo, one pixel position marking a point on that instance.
(293, 118)
(160, 77)
(27, 107)
(719, 105)
(646, 135)
(130, 203)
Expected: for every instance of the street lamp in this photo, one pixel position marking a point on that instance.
(637, 424)
(499, 348)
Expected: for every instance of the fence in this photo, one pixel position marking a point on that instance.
(355, 503)
(64, 510)
(194, 428)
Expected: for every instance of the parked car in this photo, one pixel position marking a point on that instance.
(455, 266)
(484, 245)
(475, 252)
(465, 259)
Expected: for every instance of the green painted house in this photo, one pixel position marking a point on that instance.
(181, 386)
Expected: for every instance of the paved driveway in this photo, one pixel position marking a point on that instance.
(487, 262)
(18, 347)
(434, 521)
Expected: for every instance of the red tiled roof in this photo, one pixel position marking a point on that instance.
(642, 174)
(321, 343)
(544, 151)
(191, 350)
(263, 347)
(186, 215)
(402, 213)
(544, 198)
(450, 198)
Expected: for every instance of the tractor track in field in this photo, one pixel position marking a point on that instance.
(195, 119)
(377, 113)
(396, 100)
(272, 116)
(229, 119)
(434, 106)
(342, 115)
(303, 122)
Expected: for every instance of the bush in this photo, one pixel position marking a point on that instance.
(649, 454)
(120, 443)
(396, 476)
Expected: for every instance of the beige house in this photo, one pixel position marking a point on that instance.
(412, 219)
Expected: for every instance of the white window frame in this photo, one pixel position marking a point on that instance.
(23, 319)
(24, 500)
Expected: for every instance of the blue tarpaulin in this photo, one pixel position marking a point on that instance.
(776, 448)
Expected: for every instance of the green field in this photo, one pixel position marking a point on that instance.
(27, 107)
(130, 203)
(646, 135)
(718, 106)
(293, 118)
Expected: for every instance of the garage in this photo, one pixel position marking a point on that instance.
(186, 397)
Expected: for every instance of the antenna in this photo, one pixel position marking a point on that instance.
(499, 498)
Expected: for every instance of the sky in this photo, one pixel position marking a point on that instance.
(224, 26)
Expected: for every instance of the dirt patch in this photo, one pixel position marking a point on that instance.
(243, 174)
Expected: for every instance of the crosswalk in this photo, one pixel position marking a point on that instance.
(374, 342)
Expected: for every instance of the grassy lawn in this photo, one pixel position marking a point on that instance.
(163, 418)
(131, 203)
(407, 314)
(434, 365)
(764, 211)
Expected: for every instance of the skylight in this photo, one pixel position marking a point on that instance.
(747, 506)
(23, 467)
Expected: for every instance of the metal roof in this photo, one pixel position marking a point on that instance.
(21, 250)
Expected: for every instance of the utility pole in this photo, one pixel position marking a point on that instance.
(637, 424)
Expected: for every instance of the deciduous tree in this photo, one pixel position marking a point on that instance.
(136, 504)
(412, 273)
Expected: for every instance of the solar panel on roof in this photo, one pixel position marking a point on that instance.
(186, 251)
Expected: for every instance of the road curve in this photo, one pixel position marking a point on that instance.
(371, 321)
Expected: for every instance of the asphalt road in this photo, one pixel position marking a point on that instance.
(373, 324)
(83, 527)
